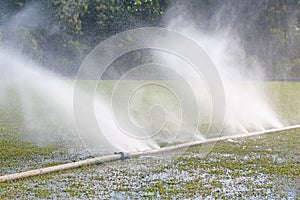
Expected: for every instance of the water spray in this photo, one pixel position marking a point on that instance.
(94, 116)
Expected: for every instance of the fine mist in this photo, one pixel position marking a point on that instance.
(247, 106)
(44, 100)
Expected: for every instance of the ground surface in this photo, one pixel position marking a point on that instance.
(265, 167)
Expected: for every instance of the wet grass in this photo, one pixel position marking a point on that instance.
(264, 167)
(256, 168)
(18, 153)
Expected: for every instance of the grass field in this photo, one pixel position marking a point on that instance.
(265, 167)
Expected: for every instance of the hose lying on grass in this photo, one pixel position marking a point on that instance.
(122, 156)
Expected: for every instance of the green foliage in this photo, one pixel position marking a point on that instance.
(70, 12)
(279, 34)
(145, 8)
(269, 29)
(83, 16)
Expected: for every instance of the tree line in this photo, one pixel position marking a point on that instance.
(57, 31)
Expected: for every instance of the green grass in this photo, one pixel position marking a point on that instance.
(265, 167)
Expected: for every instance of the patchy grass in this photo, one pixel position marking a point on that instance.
(261, 167)
(18, 154)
